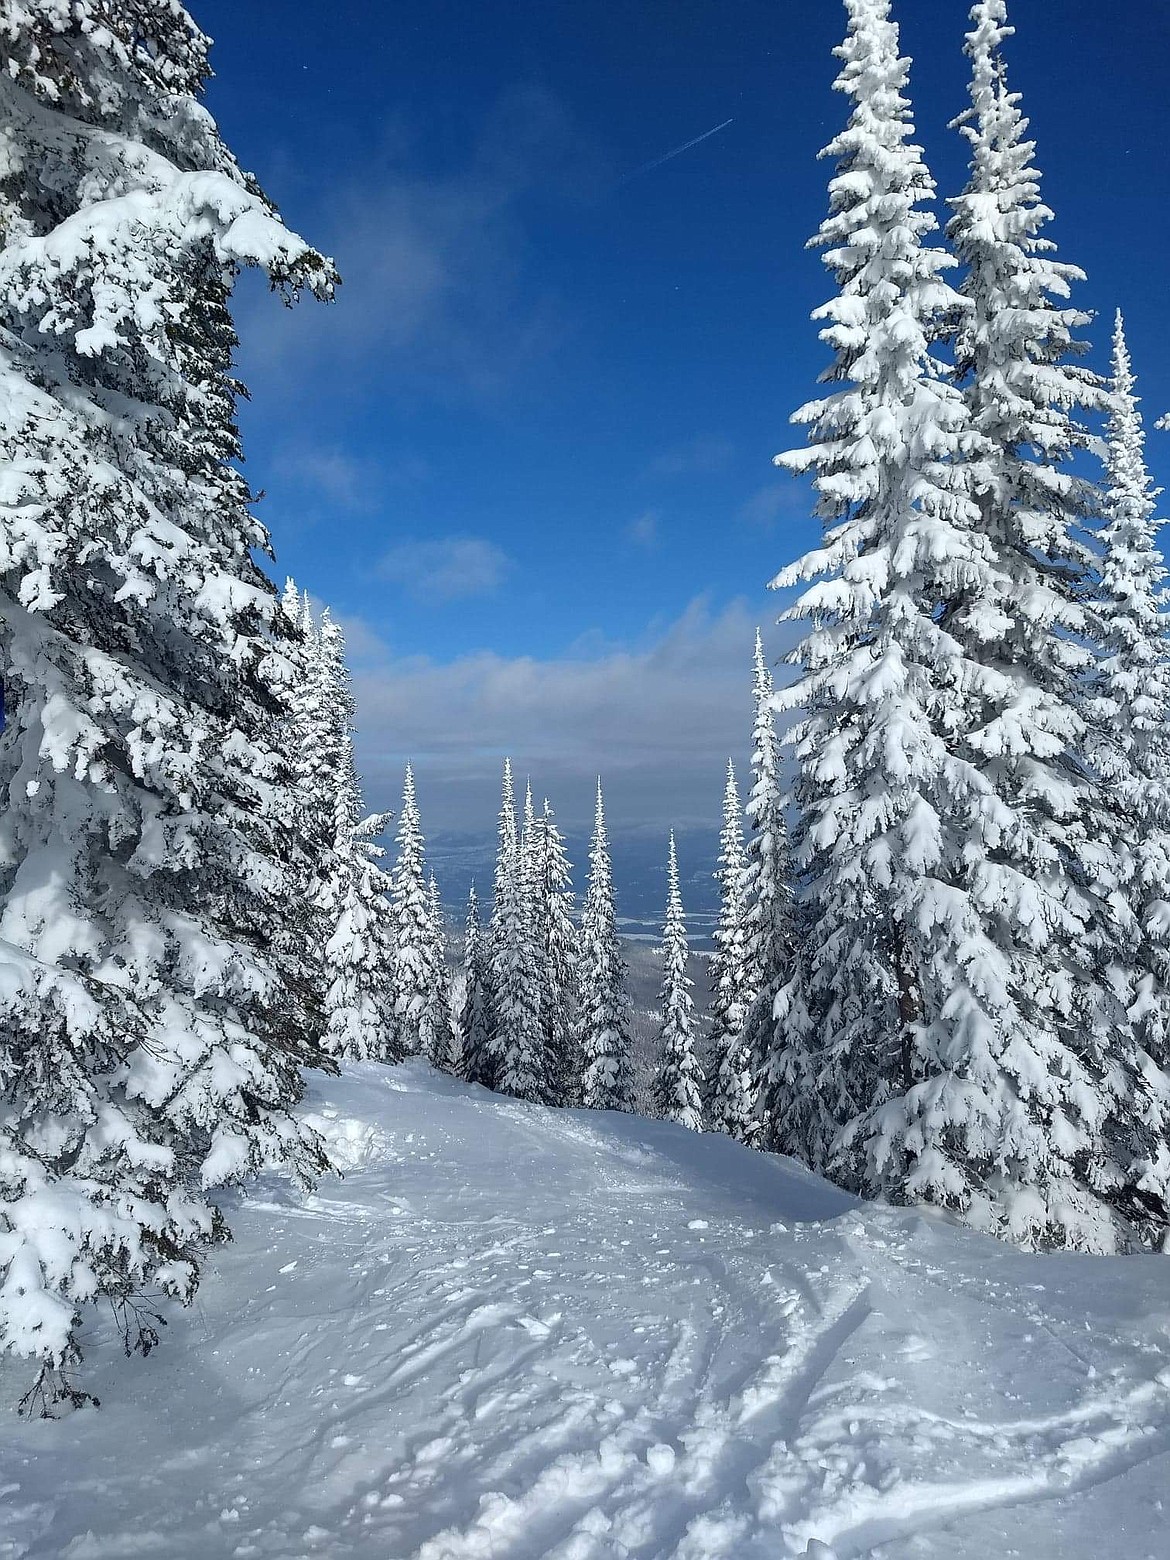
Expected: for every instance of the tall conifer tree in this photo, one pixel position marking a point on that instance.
(1050, 1162)
(771, 933)
(301, 933)
(605, 1006)
(517, 1038)
(1130, 745)
(950, 1024)
(414, 937)
(731, 1094)
(877, 667)
(440, 1039)
(357, 953)
(150, 1044)
(558, 954)
(677, 1082)
(1132, 682)
(475, 1003)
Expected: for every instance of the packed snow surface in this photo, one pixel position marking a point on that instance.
(523, 1333)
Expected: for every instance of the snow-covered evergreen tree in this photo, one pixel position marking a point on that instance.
(1132, 683)
(326, 776)
(414, 936)
(874, 666)
(529, 852)
(340, 921)
(605, 1006)
(948, 1037)
(770, 952)
(504, 894)
(150, 1047)
(299, 634)
(517, 1037)
(441, 1040)
(358, 955)
(557, 956)
(359, 952)
(731, 1091)
(1130, 741)
(301, 932)
(678, 1078)
(475, 1002)
(1049, 897)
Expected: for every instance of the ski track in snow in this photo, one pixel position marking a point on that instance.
(510, 1334)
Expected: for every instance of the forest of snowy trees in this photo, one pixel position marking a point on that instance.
(941, 960)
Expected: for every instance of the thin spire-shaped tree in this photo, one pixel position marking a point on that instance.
(475, 1003)
(731, 1093)
(517, 1038)
(1132, 681)
(677, 1084)
(605, 1008)
(558, 952)
(771, 931)
(358, 952)
(413, 957)
(303, 930)
(440, 1040)
(1129, 712)
(877, 667)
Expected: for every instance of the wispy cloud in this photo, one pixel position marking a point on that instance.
(657, 717)
(643, 531)
(448, 568)
(439, 286)
(696, 457)
(779, 500)
(334, 477)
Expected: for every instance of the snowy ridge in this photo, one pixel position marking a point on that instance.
(516, 1332)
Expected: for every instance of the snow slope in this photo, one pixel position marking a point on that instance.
(515, 1333)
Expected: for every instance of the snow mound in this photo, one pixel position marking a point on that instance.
(525, 1334)
(362, 1136)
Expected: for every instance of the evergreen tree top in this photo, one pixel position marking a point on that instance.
(1130, 485)
(1133, 696)
(1001, 153)
(1017, 337)
(674, 939)
(763, 674)
(554, 862)
(507, 824)
(731, 808)
(409, 835)
(731, 845)
(674, 904)
(877, 159)
(599, 858)
(893, 411)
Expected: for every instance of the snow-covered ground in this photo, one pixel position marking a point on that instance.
(513, 1332)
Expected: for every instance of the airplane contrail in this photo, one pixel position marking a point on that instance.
(657, 162)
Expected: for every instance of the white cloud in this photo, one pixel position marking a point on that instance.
(438, 288)
(449, 568)
(339, 479)
(697, 457)
(657, 718)
(643, 531)
(780, 499)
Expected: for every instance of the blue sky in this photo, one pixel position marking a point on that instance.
(526, 456)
